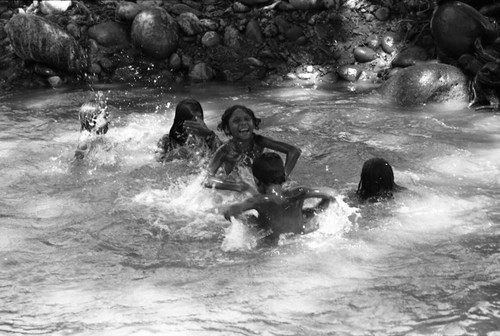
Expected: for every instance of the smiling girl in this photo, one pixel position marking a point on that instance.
(239, 122)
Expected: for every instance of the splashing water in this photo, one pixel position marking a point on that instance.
(120, 244)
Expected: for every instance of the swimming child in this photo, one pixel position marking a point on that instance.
(377, 181)
(279, 210)
(240, 122)
(188, 131)
(94, 120)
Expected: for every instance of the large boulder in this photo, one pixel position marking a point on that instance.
(455, 26)
(426, 83)
(35, 38)
(109, 34)
(155, 32)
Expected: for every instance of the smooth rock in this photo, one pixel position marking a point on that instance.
(189, 24)
(373, 41)
(109, 34)
(155, 32)
(382, 13)
(349, 73)
(364, 54)
(38, 39)
(455, 26)
(426, 83)
(409, 56)
(127, 10)
(201, 72)
(389, 43)
(55, 81)
(210, 39)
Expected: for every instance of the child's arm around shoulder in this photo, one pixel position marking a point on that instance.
(322, 192)
(325, 194)
(292, 152)
(219, 183)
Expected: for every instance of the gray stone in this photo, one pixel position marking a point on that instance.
(109, 34)
(155, 32)
(210, 39)
(426, 83)
(189, 24)
(37, 39)
(232, 37)
(201, 72)
(127, 10)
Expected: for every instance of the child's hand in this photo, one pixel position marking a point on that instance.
(197, 127)
(222, 209)
(227, 214)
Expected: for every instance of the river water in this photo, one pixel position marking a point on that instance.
(117, 244)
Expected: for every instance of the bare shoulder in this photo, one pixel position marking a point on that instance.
(297, 192)
(262, 199)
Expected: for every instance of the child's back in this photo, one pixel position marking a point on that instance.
(279, 210)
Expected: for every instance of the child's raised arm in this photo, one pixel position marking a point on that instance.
(218, 183)
(327, 195)
(292, 152)
(238, 208)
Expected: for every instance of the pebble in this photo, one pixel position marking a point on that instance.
(364, 54)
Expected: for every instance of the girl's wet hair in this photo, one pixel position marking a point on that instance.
(224, 124)
(185, 110)
(377, 179)
(269, 168)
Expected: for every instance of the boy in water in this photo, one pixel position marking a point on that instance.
(94, 120)
(279, 210)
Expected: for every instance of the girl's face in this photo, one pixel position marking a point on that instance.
(241, 125)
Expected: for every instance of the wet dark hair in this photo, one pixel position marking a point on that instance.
(89, 112)
(377, 179)
(224, 124)
(185, 110)
(269, 168)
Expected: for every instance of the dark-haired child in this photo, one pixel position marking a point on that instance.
(240, 122)
(188, 132)
(279, 210)
(377, 181)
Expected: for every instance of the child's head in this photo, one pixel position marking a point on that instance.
(235, 115)
(268, 168)
(187, 109)
(94, 118)
(377, 178)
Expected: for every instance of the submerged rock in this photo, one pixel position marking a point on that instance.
(426, 83)
(34, 38)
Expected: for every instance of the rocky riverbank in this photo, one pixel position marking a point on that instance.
(259, 42)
